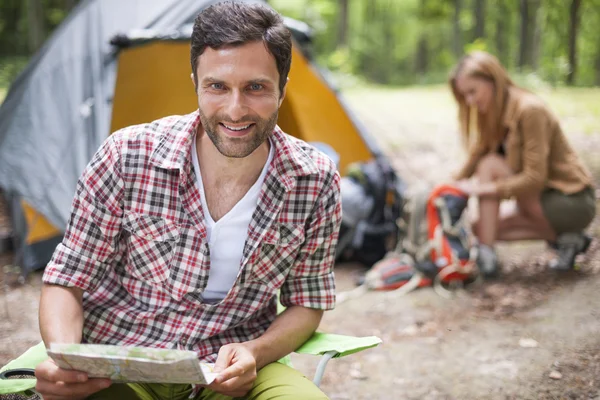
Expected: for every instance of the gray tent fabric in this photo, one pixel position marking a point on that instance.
(62, 99)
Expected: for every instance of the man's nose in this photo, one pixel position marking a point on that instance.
(236, 107)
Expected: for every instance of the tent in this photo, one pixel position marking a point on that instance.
(114, 63)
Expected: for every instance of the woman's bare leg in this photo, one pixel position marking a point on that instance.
(490, 169)
(527, 222)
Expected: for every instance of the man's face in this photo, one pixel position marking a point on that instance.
(238, 97)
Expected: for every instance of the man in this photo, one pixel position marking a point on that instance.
(184, 230)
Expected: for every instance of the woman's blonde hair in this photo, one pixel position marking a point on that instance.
(490, 131)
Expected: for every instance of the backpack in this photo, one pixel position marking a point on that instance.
(436, 245)
(438, 236)
(371, 204)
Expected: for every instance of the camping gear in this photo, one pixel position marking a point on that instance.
(393, 272)
(435, 247)
(372, 201)
(115, 63)
(438, 236)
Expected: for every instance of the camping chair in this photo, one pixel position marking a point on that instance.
(18, 381)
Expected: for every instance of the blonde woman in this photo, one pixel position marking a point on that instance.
(517, 149)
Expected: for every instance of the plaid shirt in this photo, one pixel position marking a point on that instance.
(136, 242)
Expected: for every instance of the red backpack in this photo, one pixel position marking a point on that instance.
(436, 246)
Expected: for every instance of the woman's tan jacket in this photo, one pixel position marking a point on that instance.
(536, 150)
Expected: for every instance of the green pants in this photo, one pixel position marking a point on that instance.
(569, 212)
(275, 381)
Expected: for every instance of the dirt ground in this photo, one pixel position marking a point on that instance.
(532, 334)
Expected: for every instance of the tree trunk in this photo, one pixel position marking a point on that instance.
(11, 39)
(367, 58)
(457, 45)
(386, 16)
(530, 35)
(35, 24)
(422, 60)
(535, 33)
(69, 4)
(422, 54)
(342, 33)
(524, 48)
(479, 19)
(574, 18)
(501, 29)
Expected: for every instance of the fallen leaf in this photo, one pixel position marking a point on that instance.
(528, 342)
(555, 375)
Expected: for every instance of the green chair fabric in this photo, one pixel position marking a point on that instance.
(32, 357)
(321, 343)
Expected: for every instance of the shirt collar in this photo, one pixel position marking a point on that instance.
(175, 146)
(175, 140)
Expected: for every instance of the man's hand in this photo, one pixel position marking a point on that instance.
(55, 383)
(236, 365)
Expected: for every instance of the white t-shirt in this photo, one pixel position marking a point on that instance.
(227, 236)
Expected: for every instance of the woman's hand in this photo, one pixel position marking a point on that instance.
(55, 383)
(472, 188)
(465, 185)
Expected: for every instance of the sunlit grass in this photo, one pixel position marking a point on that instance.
(2, 94)
(577, 108)
(393, 115)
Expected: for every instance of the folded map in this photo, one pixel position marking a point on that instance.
(132, 364)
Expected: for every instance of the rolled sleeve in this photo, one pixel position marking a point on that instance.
(70, 268)
(91, 238)
(536, 150)
(311, 281)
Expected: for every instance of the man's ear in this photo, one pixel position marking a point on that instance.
(194, 82)
(283, 92)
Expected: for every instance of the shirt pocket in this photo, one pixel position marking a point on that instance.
(151, 244)
(275, 256)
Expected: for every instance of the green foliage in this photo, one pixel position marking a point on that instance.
(55, 16)
(398, 42)
(478, 44)
(339, 60)
(412, 41)
(589, 46)
(10, 67)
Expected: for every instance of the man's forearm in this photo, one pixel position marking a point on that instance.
(289, 330)
(61, 314)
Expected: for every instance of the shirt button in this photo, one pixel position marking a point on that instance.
(183, 341)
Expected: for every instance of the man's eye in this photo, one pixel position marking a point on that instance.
(256, 86)
(217, 86)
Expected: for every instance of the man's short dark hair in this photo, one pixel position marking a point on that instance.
(232, 23)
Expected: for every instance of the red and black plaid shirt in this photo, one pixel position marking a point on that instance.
(136, 242)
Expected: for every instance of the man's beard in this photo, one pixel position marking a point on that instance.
(243, 146)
